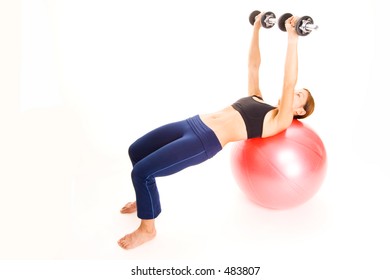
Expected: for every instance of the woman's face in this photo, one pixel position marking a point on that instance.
(300, 99)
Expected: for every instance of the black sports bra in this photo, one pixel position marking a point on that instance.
(253, 113)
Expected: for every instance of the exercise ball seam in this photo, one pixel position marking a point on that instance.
(307, 147)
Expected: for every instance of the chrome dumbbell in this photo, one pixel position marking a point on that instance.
(268, 19)
(304, 25)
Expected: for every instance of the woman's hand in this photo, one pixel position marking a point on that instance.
(257, 23)
(290, 27)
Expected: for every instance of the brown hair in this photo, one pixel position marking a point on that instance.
(309, 106)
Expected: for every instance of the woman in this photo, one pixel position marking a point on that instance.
(173, 147)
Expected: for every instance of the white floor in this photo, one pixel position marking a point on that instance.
(206, 220)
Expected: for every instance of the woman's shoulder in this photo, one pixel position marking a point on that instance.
(274, 124)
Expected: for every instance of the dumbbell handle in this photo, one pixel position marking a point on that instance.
(307, 26)
(311, 27)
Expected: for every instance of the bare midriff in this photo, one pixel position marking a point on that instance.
(227, 125)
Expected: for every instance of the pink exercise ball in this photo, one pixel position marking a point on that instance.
(281, 171)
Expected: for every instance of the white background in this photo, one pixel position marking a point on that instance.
(81, 80)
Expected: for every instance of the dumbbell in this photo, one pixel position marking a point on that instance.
(268, 19)
(304, 25)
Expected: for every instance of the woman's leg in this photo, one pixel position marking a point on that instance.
(181, 153)
(146, 145)
(154, 140)
(169, 159)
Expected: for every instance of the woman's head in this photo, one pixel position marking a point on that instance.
(303, 103)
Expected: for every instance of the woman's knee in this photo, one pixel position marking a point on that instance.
(131, 153)
(141, 177)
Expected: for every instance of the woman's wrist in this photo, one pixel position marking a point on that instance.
(292, 38)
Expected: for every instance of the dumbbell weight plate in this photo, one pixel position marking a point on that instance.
(282, 20)
(252, 16)
(264, 18)
(300, 22)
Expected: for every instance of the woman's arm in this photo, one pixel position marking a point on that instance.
(286, 111)
(254, 60)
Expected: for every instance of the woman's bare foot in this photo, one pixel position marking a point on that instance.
(130, 207)
(144, 233)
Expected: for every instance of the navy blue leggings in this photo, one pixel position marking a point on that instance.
(165, 151)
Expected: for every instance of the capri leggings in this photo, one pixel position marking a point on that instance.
(165, 151)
